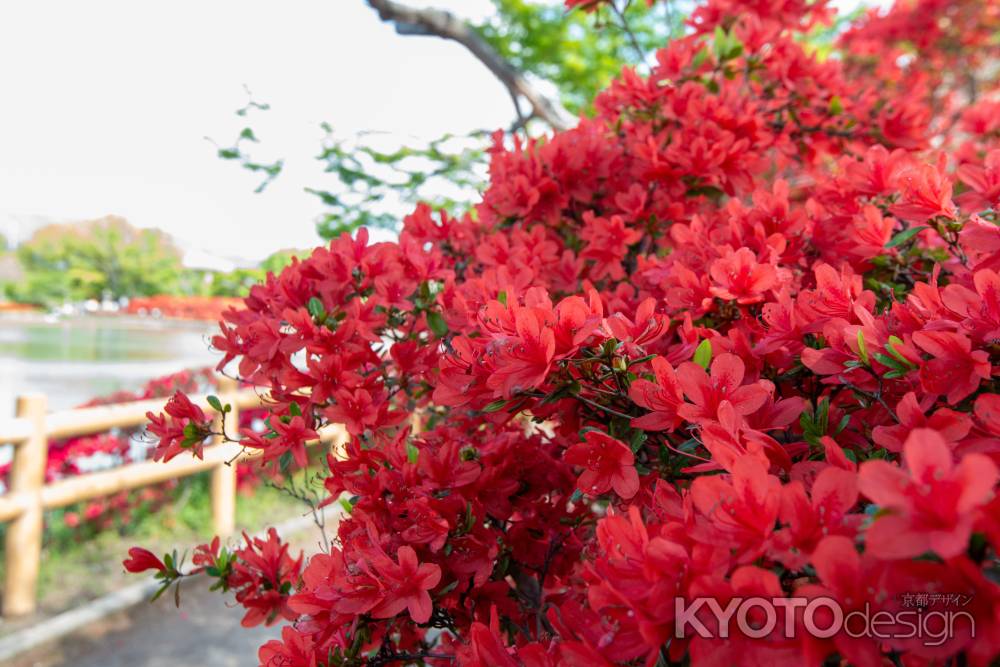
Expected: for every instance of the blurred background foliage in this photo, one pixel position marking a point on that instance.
(568, 56)
(106, 258)
(575, 52)
(109, 259)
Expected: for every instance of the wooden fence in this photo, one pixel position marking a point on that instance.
(28, 496)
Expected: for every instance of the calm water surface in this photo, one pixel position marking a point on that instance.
(72, 360)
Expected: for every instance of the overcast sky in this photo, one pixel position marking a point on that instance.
(106, 106)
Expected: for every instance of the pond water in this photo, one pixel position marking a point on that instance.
(72, 360)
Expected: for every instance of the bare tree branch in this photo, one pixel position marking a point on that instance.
(444, 24)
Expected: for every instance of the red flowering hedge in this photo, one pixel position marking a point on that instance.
(735, 337)
(181, 307)
(70, 457)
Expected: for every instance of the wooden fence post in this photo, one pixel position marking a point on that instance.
(223, 488)
(23, 550)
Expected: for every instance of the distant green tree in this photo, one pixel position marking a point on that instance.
(552, 63)
(239, 281)
(105, 258)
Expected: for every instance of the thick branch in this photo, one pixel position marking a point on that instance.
(443, 24)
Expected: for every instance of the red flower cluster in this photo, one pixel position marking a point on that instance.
(736, 336)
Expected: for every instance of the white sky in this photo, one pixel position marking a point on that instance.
(105, 106)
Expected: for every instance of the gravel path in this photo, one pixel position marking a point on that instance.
(204, 631)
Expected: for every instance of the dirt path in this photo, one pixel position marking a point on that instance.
(204, 631)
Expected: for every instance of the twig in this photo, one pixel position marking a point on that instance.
(628, 31)
(443, 24)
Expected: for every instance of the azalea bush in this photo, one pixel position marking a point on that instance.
(735, 336)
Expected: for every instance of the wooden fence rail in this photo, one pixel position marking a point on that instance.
(28, 496)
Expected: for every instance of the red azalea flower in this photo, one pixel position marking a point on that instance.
(296, 649)
(263, 576)
(609, 464)
(952, 426)
(988, 412)
(140, 560)
(855, 582)
(980, 309)
(739, 276)
(706, 392)
(931, 505)
(184, 428)
(926, 193)
(291, 437)
(984, 182)
(956, 370)
(663, 398)
(739, 510)
(356, 409)
(405, 585)
(608, 240)
(523, 361)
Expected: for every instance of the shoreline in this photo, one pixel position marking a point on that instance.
(116, 320)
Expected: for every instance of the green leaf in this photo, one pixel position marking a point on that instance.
(502, 297)
(640, 360)
(719, 39)
(437, 324)
(412, 453)
(891, 347)
(862, 348)
(636, 441)
(470, 517)
(316, 309)
(163, 589)
(496, 405)
(726, 45)
(215, 403)
(192, 435)
(836, 106)
(889, 362)
(699, 59)
(844, 421)
(905, 235)
(703, 354)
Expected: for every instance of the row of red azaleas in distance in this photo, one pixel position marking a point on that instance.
(181, 307)
(737, 335)
(82, 454)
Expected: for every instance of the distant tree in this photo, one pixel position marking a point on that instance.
(239, 281)
(104, 258)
